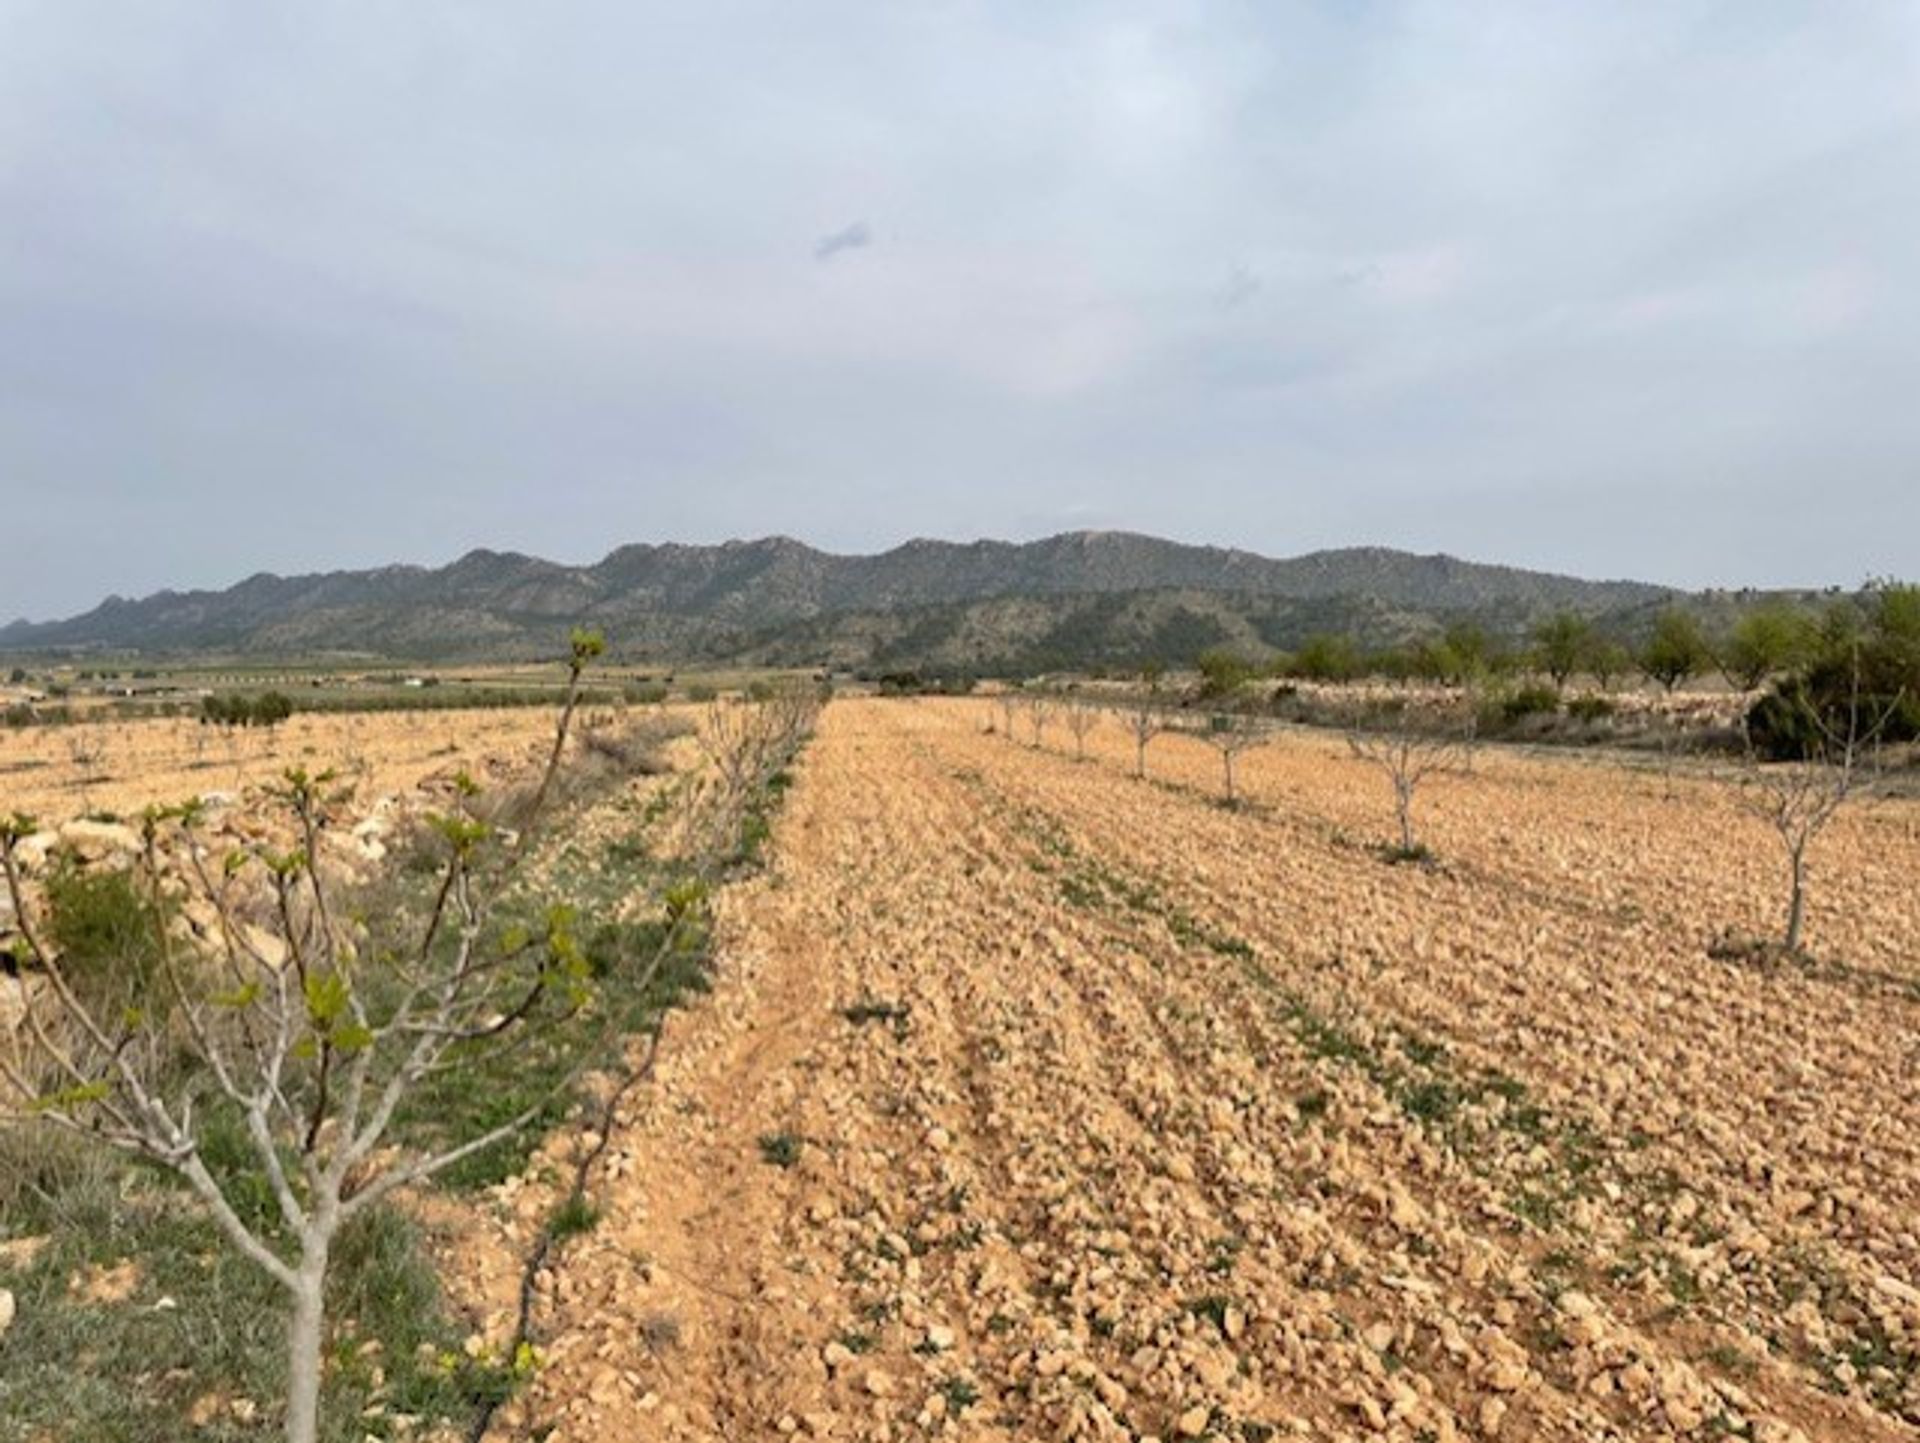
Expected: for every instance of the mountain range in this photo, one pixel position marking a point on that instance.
(1104, 596)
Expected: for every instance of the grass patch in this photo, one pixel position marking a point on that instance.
(873, 1009)
(130, 1371)
(960, 1394)
(1418, 855)
(573, 1217)
(1213, 1308)
(781, 1149)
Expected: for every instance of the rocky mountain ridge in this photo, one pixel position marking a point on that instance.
(742, 597)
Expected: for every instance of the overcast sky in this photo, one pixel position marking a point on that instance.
(1614, 288)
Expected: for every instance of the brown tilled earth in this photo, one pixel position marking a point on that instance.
(60, 772)
(1108, 1113)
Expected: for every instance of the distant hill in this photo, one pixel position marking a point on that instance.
(1082, 595)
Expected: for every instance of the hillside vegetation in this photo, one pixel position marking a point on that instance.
(925, 601)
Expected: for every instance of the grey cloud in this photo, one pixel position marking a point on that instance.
(856, 236)
(1606, 288)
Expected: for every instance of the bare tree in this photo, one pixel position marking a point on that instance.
(1144, 721)
(747, 739)
(292, 1032)
(1040, 711)
(1798, 798)
(1408, 758)
(1009, 703)
(86, 752)
(1082, 716)
(1231, 733)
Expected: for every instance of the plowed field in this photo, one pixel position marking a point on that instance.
(59, 772)
(1037, 1101)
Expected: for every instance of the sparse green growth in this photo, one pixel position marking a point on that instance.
(576, 1215)
(781, 1149)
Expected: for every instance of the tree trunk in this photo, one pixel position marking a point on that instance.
(1140, 759)
(305, 1335)
(1405, 807)
(1227, 757)
(1797, 903)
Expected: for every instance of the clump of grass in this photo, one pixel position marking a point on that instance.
(1432, 1101)
(1223, 1253)
(1418, 855)
(573, 1217)
(1536, 1207)
(781, 1149)
(874, 1009)
(1423, 1051)
(1213, 1308)
(960, 1394)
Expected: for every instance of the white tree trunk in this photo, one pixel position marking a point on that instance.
(306, 1335)
(1797, 904)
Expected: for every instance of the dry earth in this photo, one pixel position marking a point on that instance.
(59, 772)
(1035, 1101)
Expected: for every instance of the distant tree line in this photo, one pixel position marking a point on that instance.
(917, 683)
(268, 709)
(1811, 666)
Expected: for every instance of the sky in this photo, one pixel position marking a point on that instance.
(1621, 289)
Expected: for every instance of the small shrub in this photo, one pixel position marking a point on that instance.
(1591, 709)
(1528, 701)
(108, 931)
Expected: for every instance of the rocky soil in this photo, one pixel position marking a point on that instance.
(1035, 1101)
(59, 772)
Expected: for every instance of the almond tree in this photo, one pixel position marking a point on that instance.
(1408, 758)
(290, 1030)
(1763, 641)
(1798, 798)
(1674, 651)
(86, 752)
(1040, 710)
(1082, 717)
(747, 739)
(1009, 703)
(1562, 644)
(1144, 721)
(1230, 734)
